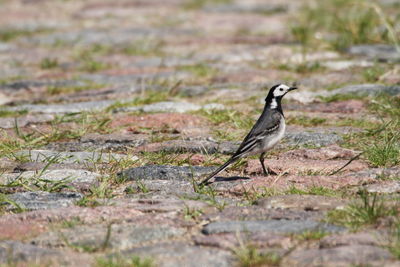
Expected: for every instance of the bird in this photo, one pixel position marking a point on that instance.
(266, 132)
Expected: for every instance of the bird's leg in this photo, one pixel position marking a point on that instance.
(262, 163)
(266, 171)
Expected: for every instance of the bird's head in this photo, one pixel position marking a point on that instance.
(277, 92)
(280, 90)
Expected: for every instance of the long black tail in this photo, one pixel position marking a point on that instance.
(220, 169)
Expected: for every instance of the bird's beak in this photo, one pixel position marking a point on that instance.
(292, 88)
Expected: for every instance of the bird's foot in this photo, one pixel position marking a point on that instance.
(270, 171)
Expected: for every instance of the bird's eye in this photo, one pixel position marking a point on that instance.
(280, 89)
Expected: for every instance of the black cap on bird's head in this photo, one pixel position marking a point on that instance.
(279, 90)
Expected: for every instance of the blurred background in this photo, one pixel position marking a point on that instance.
(112, 108)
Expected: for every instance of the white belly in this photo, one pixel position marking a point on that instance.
(270, 141)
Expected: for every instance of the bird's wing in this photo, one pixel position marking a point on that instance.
(264, 126)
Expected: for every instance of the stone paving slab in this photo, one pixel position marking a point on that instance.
(110, 111)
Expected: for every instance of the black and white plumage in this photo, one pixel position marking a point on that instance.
(266, 132)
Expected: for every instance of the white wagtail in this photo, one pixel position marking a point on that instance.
(265, 134)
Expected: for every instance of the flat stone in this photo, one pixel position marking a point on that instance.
(351, 106)
(324, 153)
(9, 123)
(169, 106)
(123, 236)
(38, 166)
(247, 7)
(349, 239)
(165, 172)
(4, 47)
(29, 224)
(181, 254)
(304, 97)
(179, 107)
(271, 226)
(30, 84)
(192, 146)
(386, 187)
(128, 79)
(312, 139)
(162, 187)
(367, 90)
(380, 52)
(70, 157)
(64, 108)
(346, 64)
(230, 240)
(340, 256)
(159, 122)
(191, 91)
(376, 173)
(302, 167)
(81, 179)
(20, 254)
(305, 202)
(43, 200)
(101, 142)
(161, 204)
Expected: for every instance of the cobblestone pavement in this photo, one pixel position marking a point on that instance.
(112, 110)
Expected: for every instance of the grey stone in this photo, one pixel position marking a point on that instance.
(389, 187)
(38, 166)
(273, 226)
(377, 173)
(370, 238)
(380, 52)
(158, 204)
(128, 79)
(340, 256)
(9, 123)
(306, 202)
(181, 254)
(76, 178)
(162, 187)
(43, 200)
(4, 47)
(213, 106)
(71, 157)
(305, 97)
(165, 172)
(169, 106)
(259, 213)
(367, 90)
(99, 142)
(12, 252)
(179, 107)
(122, 236)
(312, 139)
(64, 108)
(116, 37)
(248, 7)
(115, 139)
(346, 64)
(196, 146)
(191, 91)
(29, 84)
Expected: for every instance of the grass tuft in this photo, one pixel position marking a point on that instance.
(250, 256)
(342, 23)
(119, 261)
(366, 211)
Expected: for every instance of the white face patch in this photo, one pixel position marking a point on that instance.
(281, 90)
